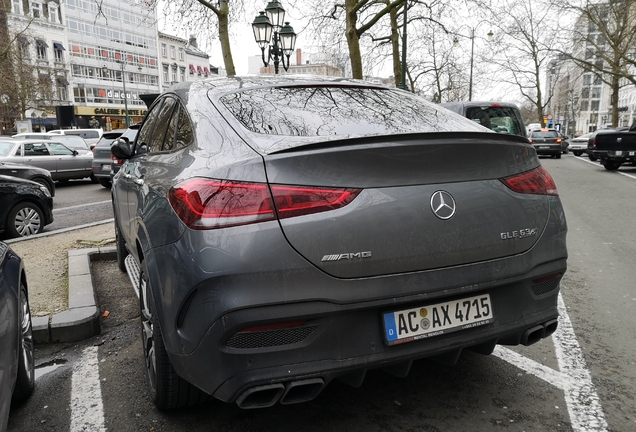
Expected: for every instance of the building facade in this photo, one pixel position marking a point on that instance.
(182, 60)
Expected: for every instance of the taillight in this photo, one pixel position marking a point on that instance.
(558, 140)
(538, 181)
(115, 160)
(208, 204)
(530, 139)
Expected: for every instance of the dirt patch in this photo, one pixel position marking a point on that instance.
(115, 295)
(46, 263)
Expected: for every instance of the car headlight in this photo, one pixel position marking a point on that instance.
(45, 191)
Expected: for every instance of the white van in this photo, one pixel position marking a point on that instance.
(91, 136)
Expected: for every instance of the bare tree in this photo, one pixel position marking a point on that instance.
(603, 40)
(211, 19)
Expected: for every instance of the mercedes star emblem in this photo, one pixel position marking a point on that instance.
(443, 205)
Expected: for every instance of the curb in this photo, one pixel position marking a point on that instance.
(82, 318)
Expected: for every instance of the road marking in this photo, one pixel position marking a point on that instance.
(87, 411)
(584, 407)
(596, 163)
(57, 210)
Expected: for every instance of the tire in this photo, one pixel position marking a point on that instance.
(611, 165)
(94, 179)
(25, 219)
(25, 381)
(167, 389)
(558, 156)
(593, 158)
(105, 182)
(122, 252)
(577, 153)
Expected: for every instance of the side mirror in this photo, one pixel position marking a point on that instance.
(75, 152)
(121, 148)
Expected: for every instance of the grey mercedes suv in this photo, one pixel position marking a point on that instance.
(283, 232)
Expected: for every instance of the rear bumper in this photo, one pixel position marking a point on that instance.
(616, 155)
(346, 340)
(548, 149)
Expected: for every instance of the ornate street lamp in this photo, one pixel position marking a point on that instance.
(270, 33)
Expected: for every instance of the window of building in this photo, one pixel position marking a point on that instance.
(181, 54)
(182, 75)
(174, 73)
(36, 9)
(594, 105)
(53, 13)
(596, 92)
(172, 52)
(58, 49)
(41, 49)
(165, 74)
(164, 52)
(17, 7)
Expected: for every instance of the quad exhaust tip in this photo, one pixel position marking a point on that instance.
(286, 393)
(535, 334)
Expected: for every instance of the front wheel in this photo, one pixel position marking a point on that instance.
(25, 381)
(577, 153)
(105, 182)
(25, 219)
(167, 389)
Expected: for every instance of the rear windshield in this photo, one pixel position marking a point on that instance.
(501, 119)
(544, 134)
(324, 111)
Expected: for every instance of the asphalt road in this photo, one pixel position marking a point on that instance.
(583, 379)
(79, 202)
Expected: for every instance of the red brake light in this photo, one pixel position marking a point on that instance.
(530, 139)
(208, 204)
(538, 181)
(295, 201)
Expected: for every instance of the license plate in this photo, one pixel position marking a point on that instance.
(544, 147)
(618, 153)
(105, 167)
(433, 320)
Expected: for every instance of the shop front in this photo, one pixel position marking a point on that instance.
(107, 118)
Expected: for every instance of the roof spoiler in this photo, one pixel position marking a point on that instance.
(148, 98)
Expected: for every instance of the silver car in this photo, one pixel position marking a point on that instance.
(17, 375)
(283, 232)
(62, 162)
(578, 145)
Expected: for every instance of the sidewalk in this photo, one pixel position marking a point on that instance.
(58, 269)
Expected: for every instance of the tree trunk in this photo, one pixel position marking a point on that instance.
(224, 38)
(395, 47)
(353, 39)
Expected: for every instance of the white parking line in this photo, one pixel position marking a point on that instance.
(584, 159)
(584, 407)
(57, 210)
(87, 411)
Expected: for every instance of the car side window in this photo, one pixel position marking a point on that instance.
(161, 128)
(145, 133)
(168, 142)
(185, 135)
(59, 149)
(36, 149)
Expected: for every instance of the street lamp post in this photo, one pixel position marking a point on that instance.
(122, 65)
(270, 23)
(403, 77)
(472, 57)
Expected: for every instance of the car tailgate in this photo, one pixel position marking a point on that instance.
(391, 226)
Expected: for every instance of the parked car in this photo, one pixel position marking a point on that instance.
(578, 145)
(502, 117)
(105, 165)
(72, 141)
(29, 172)
(590, 142)
(17, 372)
(546, 142)
(289, 231)
(565, 142)
(91, 136)
(62, 162)
(614, 147)
(26, 207)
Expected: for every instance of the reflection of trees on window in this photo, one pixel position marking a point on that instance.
(322, 111)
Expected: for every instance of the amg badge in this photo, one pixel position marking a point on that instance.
(346, 256)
